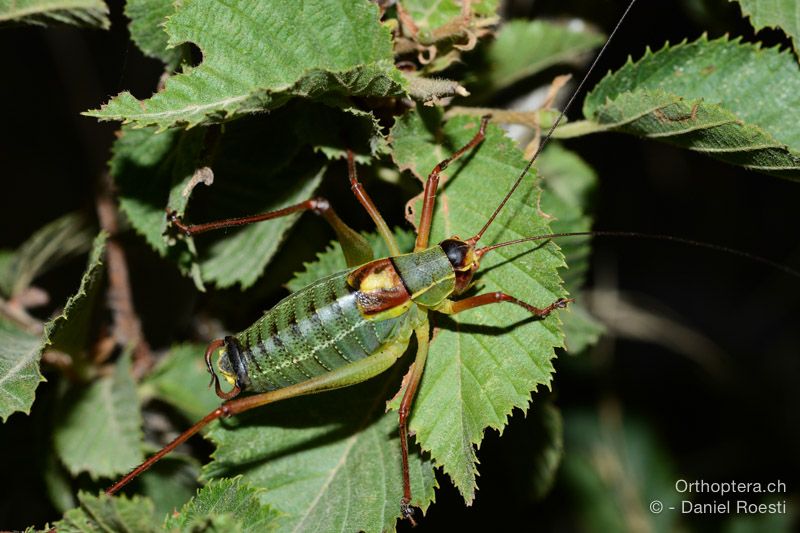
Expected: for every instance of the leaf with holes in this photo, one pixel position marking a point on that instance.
(487, 361)
(257, 56)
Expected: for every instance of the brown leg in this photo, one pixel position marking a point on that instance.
(414, 376)
(356, 249)
(342, 377)
(451, 307)
(366, 201)
(432, 183)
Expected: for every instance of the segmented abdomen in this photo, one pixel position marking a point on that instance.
(313, 331)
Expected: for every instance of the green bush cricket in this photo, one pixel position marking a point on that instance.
(353, 325)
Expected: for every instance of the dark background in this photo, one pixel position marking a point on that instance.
(738, 419)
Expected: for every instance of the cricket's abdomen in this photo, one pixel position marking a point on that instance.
(315, 330)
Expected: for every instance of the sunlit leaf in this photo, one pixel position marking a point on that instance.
(230, 500)
(329, 461)
(487, 361)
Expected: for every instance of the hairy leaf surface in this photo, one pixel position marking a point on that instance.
(98, 427)
(707, 96)
(228, 501)
(89, 13)
(106, 513)
(67, 332)
(329, 461)
(486, 361)
(19, 369)
(147, 30)
(258, 55)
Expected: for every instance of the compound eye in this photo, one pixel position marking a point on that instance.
(456, 252)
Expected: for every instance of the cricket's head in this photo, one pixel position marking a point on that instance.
(464, 260)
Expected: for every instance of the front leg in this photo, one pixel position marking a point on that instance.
(451, 307)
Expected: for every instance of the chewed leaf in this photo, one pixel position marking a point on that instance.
(147, 29)
(485, 362)
(258, 55)
(707, 96)
(782, 14)
(89, 13)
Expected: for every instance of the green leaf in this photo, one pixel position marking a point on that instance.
(567, 186)
(62, 238)
(329, 461)
(230, 500)
(430, 15)
(485, 362)
(105, 513)
(19, 369)
(170, 483)
(259, 164)
(332, 260)
(147, 30)
(181, 380)
(68, 332)
(256, 56)
(782, 14)
(90, 13)
(614, 468)
(98, 427)
(523, 48)
(707, 96)
(20, 354)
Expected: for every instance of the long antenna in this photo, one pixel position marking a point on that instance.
(655, 236)
(553, 127)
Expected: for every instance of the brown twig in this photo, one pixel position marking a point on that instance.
(126, 328)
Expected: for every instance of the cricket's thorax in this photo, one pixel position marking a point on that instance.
(333, 322)
(428, 275)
